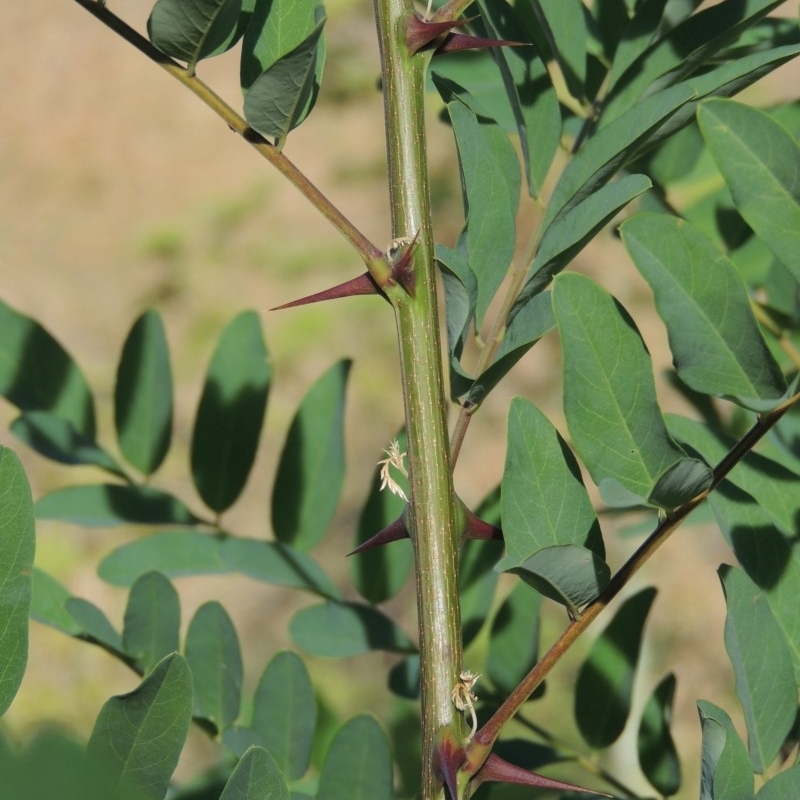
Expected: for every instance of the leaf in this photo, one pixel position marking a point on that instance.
(569, 574)
(725, 772)
(105, 505)
(759, 160)
(94, 624)
(610, 400)
(152, 620)
(529, 90)
(716, 343)
(682, 51)
(784, 784)
(658, 756)
(514, 639)
(37, 374)
(573, 230)
(564, 26)
(285, 713)
(490, 182)
(340, 630)
(17, 546)
(477, 583)
(143, 394)
(311, 469)
(282, 96)
(611, 148)
(380, 573)
(637, 35)
(256, 777)
(140, 735)
(764, 676)
(359, 763)
(59, 440)
(47, 604)
(605, 682)
(213, 653)
(544, 501)
(191, 31)
(231, 412)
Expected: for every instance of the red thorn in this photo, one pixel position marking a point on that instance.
(363, 284)
(448, 758)
(402, 271)
(499, 770)
(458, 41)
(391, 533)
(476, 528)
(420, 34)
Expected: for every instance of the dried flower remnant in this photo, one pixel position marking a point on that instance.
(395, 459)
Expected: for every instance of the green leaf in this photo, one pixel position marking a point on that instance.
(514, 640)
(104, 505)
(17, 546)
(48, 603)
(605, 682)
(544, 501)
(682, 51)
(611, 148)
(574, 229)
(725, 771)
(285, 713)
(529, 90)
(359, 763)
(94, 624)
(231, 412)
(59, 440)
(380, 573)
(784, 784)
(340, 630)
(763, 668)
(140, 735)
(658, 756)
(564, 26)
(477, 583)
(569, 574)
(37, 374)
(490, 185)
(716, 343)
(191, 31)
(760, 161)
(311, 469)
(143, 394)
(213, 653)
(152, 620)
(282, 96)
(610, 400)
(256, 777)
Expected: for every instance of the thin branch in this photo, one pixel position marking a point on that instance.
(485, 737)
(370, 254)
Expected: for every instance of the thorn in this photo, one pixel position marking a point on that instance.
(363, 284)
(448, 758)
(499, 770)
(391, 533)
(399, 256)
(454, 42)
(476, 528)
(420, 33)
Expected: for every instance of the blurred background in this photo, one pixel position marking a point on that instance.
(120, 191)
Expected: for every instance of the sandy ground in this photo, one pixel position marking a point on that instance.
(119, 191)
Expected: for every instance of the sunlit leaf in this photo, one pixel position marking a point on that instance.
(311, 469)
(285, 713)
(140, 735)
(17, 546)
(143, 395)
(604, 689)
(231, 412)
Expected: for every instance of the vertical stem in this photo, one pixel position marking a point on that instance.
(433, 512)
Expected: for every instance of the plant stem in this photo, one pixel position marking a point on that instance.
(486, 736)
(370, 254)
(434, 516)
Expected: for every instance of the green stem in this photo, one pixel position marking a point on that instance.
(434, 517)
(370, 254)
(484, 739)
